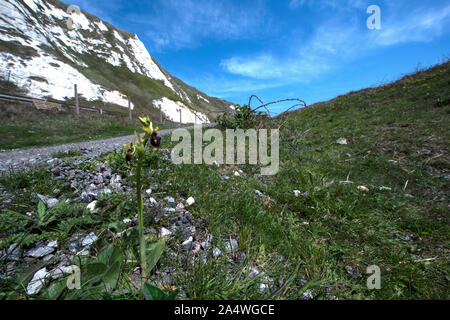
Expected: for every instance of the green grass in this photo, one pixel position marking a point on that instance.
(398, 138)
(22, 126)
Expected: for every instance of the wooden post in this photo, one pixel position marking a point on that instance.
(129, 109)
(77, 103)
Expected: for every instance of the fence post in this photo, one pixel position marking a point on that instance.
(77, 103)
(180, 115)
(129, 109)
(160, 115)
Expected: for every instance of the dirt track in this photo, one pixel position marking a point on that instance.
(24, 158)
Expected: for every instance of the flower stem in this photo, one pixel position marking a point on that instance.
(141, 219)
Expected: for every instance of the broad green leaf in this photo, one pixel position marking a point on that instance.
(105, 254)
(154, 253)
(153, 293)
(116, 256)
(111, 276)
(56, 289)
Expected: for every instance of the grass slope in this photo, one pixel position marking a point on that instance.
(397, 147)
(22, 126)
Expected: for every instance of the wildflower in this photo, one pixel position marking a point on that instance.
(155, 140)
(130, 152)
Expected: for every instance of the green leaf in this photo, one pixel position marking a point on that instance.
(94, 272)
(116, 256)
(153, 293)
(154, 253)
(41, 210)
(105, 254)
(112, 275)
(56, 289)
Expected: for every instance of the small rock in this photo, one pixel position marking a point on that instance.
(91, 206)
(40, 252)
(253, 272)
(259, 193)
(169, 199)
(363, 188)
(59, 272)
(38, 281)
(231, 245)
(207, 243)
(296, 193)
(53, 244)
(353, 273)
(341, 141)
(90, 239)
(127, 221)
(307, 295)
(13, 252)
(216, 252)
(153, 201)
(148, 191)
(164, 232)
(187, 244)
(190, 201)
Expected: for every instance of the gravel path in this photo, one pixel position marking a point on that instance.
(20, 159)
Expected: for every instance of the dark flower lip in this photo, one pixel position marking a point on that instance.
(155, 140)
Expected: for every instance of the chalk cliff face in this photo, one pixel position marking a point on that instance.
(48, 47)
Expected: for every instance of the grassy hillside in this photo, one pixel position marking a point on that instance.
(398, 140)
(316, 243)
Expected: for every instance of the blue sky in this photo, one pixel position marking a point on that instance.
(308, 49)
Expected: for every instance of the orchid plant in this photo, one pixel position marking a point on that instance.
(136, 148)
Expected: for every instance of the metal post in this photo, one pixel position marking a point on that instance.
(77, 103)
(129, 109)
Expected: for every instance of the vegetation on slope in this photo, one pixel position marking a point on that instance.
(330, 231)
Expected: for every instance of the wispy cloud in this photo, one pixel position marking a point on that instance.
(337, 42)
(417, 26)
(184, 24)
(316, 56)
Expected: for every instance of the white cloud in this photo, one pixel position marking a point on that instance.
(418, 26)
(184, 24)
(337, 42)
